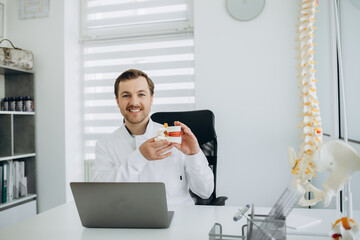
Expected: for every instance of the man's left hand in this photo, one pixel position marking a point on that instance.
(189, 144)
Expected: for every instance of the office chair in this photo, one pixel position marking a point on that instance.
(202, 124)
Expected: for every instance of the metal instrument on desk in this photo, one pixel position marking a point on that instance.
(263, 227)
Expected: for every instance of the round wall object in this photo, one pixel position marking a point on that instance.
(245, 10)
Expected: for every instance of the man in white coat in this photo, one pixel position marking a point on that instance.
(131, 154)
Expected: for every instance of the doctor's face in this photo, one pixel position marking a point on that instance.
(134, 100)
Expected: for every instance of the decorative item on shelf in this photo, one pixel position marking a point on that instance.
(28, 104)
(16, 57)
(12, 103)
(20, 104)
(5, 104)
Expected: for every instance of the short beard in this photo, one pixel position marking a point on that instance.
(137, 122)
(146, 117)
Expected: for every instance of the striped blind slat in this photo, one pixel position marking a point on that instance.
(109, 96)
(128, 21)
(157, 50)
(135, 17)
(121, 5)
(180, 65)
(159, 80)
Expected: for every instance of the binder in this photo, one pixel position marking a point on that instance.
(16, 179)
(1, 182)
(13, 183)
(5, 168)
(10, 182)
(22, 180)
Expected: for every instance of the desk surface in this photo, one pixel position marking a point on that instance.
(189, 222)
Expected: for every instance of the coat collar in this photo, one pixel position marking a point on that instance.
(147, 134)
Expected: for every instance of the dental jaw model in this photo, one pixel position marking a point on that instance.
(336, 157)
(172, 134)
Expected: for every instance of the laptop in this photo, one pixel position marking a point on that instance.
(121, 205)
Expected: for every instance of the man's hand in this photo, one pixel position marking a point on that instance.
(189, 144)
(152, 150)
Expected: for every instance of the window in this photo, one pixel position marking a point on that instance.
(153, 36)
(124, 18)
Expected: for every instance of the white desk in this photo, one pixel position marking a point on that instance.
(189, 222)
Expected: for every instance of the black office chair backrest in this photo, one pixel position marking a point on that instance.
(202, 124)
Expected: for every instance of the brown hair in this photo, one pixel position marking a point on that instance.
(133, 74)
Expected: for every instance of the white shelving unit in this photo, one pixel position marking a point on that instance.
(17, 142)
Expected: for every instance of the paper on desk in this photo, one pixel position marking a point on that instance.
(298, 222)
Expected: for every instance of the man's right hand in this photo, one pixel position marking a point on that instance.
(152, 150)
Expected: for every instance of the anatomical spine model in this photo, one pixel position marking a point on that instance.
(303, 167)
(337, 157)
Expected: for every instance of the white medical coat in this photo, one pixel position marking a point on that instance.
(118, 159)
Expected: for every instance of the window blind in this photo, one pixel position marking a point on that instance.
(154, 36)
(168, 61)
(124, 18)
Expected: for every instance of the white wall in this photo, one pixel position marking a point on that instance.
(350, 33)
(73, 118)
(246, 73)
(45, 37)
(248, 66)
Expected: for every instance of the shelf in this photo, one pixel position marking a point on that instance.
(17, 142)
(4, 69)
(17, 156)
(17, 113)
(17, 201)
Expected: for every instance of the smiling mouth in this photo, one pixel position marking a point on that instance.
(134, 110)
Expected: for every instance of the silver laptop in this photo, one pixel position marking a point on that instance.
(121, 205)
